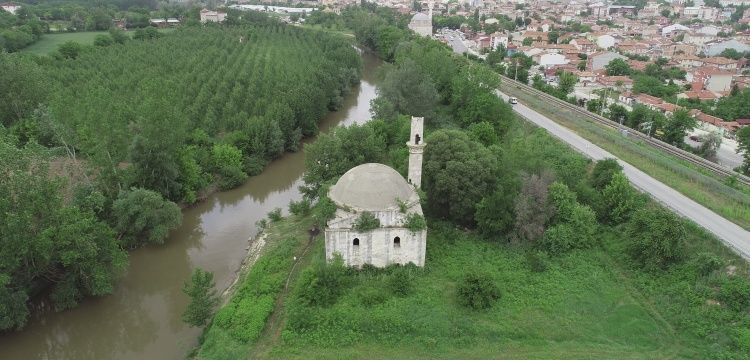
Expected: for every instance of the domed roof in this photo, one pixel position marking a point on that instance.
(371, 187)
(420, 17)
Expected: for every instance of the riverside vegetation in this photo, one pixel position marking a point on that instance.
(99, 144)
(533, 251)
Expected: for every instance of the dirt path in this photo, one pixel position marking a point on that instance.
(275, 323)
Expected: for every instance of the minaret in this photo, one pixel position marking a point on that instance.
(416, 146)
(430, 13)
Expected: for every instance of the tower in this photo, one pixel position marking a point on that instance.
(430, 13)
(416, 146)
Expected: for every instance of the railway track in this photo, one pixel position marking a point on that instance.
(667, 148)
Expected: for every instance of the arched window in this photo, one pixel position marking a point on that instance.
(397, 241)
(416, 139)
(355, 242)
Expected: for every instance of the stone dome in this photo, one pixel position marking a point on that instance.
(420, 17)
(371, 187)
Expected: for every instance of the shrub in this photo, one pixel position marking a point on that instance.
(301, 207)
(144, 216)
(325, 210)
(203, 298)
(705, 263)
(366, 222)
(657, 238)
(619, 200)
(477, 291)
(538, 261)
(275, 215)
(415, 222)
(603, 172)
(370, 296)
(735, 293)
(400, 283)
(324, 285)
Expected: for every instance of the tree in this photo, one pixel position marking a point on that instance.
(458, 173)
(142, 216)
(657, 238)
(618, 67)
(619, 200)
(677, 127)
(477, 291)
(743, 140)
(23, 87)
(203, 297)
(531, 207)
(603, 172)
(70, 49)
(527, 41)
(495, 213)
(567, 81)
(409, 90)
(103, 40)
(573, 224)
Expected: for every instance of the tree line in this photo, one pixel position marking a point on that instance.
(99, 143)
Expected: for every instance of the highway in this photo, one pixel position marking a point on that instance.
(735, 237)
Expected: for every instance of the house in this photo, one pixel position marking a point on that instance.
(605, 41)
(381, 192)
(713, 79)
(721, 63)
(583, 45)
(10, 7)
(421, 23)
(599, 60)
(212, 16)
(716, 47)
(672, 30)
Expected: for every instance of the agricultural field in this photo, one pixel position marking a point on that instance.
(50, 42)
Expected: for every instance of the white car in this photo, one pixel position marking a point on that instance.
(513, 100)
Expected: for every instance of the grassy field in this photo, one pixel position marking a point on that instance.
(49, 42)
(696, 183)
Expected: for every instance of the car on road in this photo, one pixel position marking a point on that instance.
(513, 101)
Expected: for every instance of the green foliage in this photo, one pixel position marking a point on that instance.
(415, 222)
(401, 281)
(203, 298)
(366, 221)
(300, 208)
(103, 40)
(46, 241)
(657, 238)
(538, 261)
(495, 214)
(477, 291)
(458, 172)
(334, 154)
(23, 87)
(409, 90)
(735, 293)
(275, 215)
(618, 67)
(227, 160)
(603, 172)
(323, 285)
(619, 200)
(678, 126)
(142, 216)
(743, 140)
(574, 225)
(70, 49)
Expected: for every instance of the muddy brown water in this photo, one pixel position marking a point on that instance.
(141, 319)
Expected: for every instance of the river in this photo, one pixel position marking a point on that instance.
(141, 319)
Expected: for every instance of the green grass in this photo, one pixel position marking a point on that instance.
(696, 183)
(50, 42)
(240, 322)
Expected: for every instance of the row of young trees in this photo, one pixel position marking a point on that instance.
(97, 143)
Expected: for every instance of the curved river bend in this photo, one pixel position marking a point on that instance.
(141, 319)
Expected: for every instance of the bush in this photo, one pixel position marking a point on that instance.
(477, 291)
(400, 283)
(735, 293)
(144, 216)
(603, 172)
(705, 263)
(275, 215)
(415, 222)
(366, 222)
(301, 207)
(323, 286)
(371, 296)
(538, 261)
(619, 200)
(203, 298)
(657, 238)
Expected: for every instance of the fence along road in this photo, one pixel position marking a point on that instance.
(677, 152)
(735, 237)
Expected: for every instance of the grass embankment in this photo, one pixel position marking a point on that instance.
(247, 315)
(696, 183)
(50, 42)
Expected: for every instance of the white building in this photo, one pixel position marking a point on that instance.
(421, 24)
(212, 16)
(381, 191)
(10, 7)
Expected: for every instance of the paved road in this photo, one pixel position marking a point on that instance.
(730, 233)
